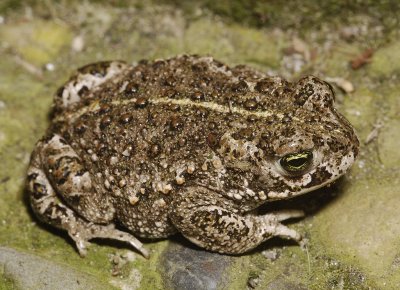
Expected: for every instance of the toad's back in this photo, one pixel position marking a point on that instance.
(143, 132)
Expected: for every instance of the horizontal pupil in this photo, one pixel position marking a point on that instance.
(298, 162)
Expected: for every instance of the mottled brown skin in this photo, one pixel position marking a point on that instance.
(184, 145)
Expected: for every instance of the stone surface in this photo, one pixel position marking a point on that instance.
(27, 271)
(188, 268)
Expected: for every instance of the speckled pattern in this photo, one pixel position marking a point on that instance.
(185, 145)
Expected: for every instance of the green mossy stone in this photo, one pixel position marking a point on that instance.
(36, 41)
(385, 62)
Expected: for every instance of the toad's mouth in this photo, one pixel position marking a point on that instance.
(273, 195)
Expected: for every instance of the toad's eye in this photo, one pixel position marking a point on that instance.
(296, 162)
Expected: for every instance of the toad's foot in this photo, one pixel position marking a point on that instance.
(286, 214)
(284, 232)
(87, 231)
(272, 222)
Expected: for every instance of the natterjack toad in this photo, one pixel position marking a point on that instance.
(184, 145)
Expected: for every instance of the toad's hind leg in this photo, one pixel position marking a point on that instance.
(72, 181)
(51, 209)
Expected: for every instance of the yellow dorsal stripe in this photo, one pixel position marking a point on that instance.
(94, 106)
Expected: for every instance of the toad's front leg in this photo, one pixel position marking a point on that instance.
(216, 224)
